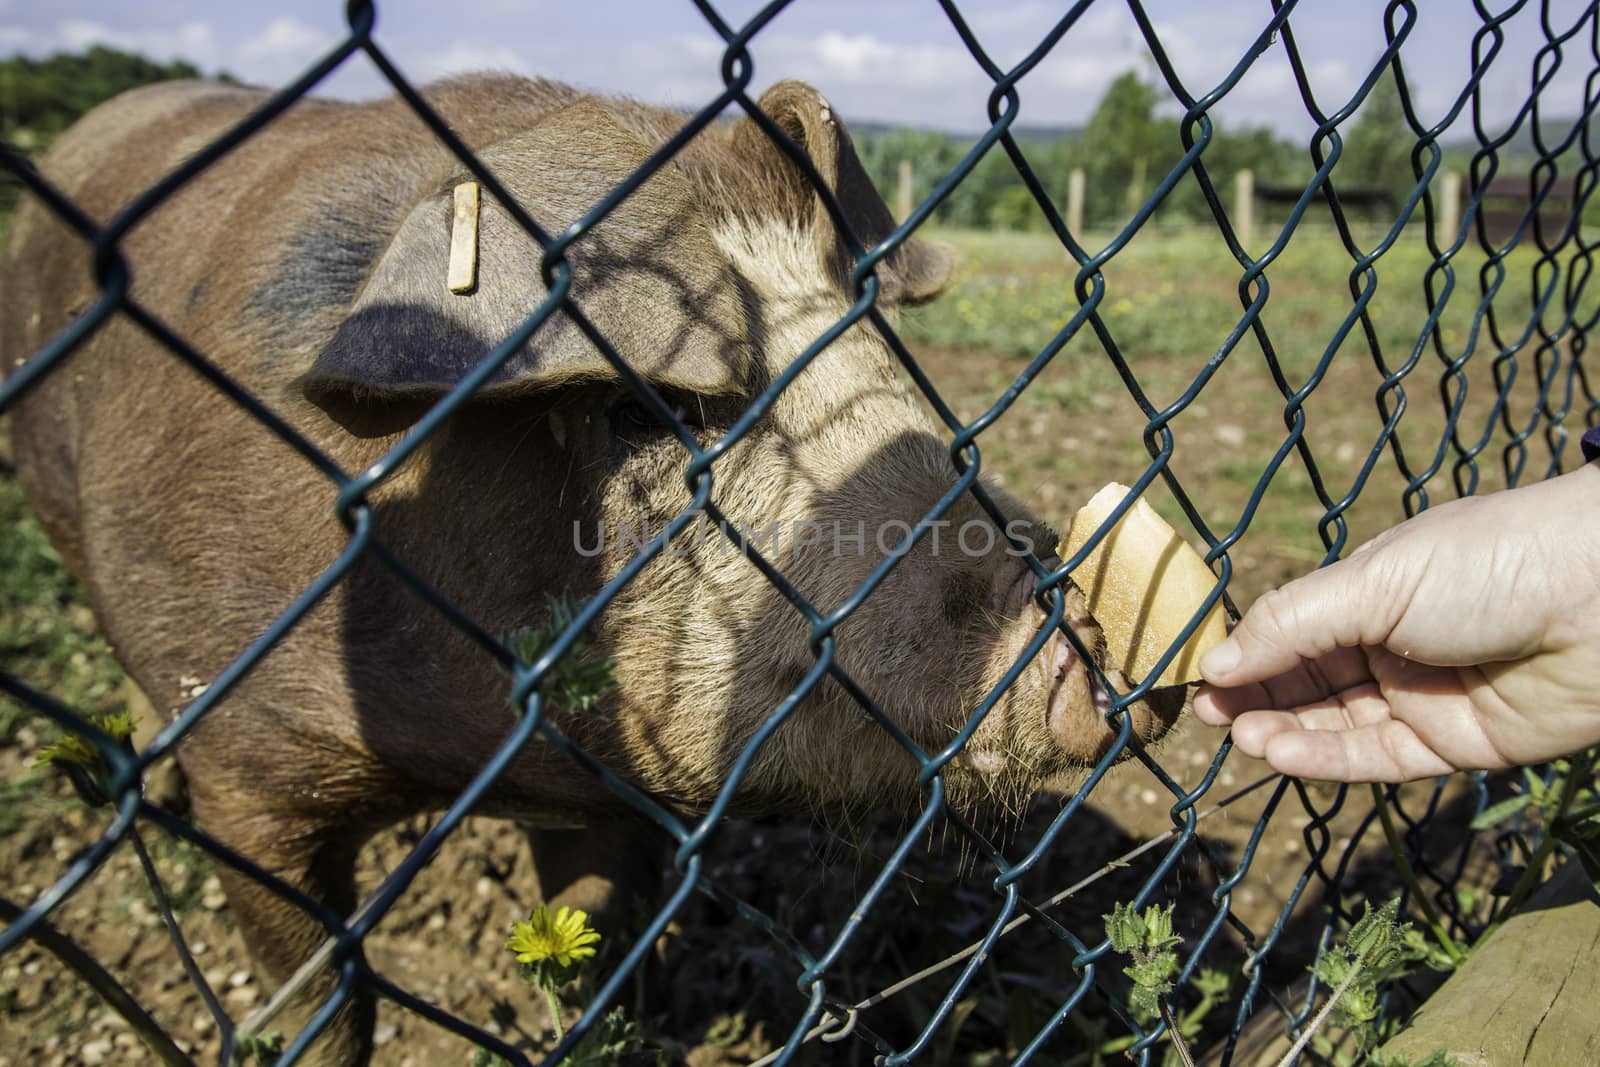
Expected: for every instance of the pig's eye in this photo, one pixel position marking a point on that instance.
(630, 416)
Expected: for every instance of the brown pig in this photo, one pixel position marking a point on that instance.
(310, 265)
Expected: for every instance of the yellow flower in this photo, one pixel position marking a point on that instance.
(564, 937)
(72, 748)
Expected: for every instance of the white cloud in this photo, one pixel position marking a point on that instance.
(14, 38)
(193, 41)
(280, 51)
(285, 37)
(462, 56)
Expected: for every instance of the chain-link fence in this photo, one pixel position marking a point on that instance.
(1546, 340)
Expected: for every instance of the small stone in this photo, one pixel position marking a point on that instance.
(1148, 797)
(385, 1034)
(435, 922)
(239, 978)
(1229, 434)
(212, 897)
(216, 977)
(241, 997)
(202, 1025)
(199, 948)
(125, 1040)
(94, 1053)
(484, 887)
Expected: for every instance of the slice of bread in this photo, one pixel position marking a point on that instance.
(1144, 583)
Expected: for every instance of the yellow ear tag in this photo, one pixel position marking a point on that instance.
(462, 276)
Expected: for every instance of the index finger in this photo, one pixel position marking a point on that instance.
(1307, 682)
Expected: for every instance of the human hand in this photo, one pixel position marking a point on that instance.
(1465, 638)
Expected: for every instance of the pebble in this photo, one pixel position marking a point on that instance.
(94, 1053)
(199, 948)
(385, 1034)
(484, 887)
(241, 997)
(239, 978)
(1148, 797)
(1229, 434)
(212, 897)
(142, 913)
(436, 921)
(202, 1024)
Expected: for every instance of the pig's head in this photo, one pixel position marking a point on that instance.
(710, 280)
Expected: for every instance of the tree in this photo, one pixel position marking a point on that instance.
(41, 97)
(1127, 148)
(1377, 149)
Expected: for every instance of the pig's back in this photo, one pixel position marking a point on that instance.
(46, 271)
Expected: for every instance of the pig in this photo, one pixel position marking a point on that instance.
(310, 265)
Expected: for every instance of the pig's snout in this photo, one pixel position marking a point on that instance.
(1069, 706)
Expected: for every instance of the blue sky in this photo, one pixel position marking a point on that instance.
(886, 60)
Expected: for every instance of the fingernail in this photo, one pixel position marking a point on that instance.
(1221, 659)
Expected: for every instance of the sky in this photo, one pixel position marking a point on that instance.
(891, 61)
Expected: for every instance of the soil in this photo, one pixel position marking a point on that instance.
(718, 991)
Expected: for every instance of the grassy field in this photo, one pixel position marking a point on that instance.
(1170, 301)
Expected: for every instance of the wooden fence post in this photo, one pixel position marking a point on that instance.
(1075, 201)
(902, 200)
(1244, 207)
(1449, 207)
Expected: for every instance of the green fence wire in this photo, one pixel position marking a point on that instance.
(1553, 340)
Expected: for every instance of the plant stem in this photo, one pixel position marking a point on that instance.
(555, 1013)
(1175, 1033)
(1409, 876)
(1582, 767)
(1322, 1016)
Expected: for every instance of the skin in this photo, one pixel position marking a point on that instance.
(1466, 638)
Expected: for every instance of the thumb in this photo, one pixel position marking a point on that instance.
(1310, 617)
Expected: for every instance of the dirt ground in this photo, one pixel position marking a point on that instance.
(720, 991)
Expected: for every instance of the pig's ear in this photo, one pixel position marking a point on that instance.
(917, 270)
(649, 276)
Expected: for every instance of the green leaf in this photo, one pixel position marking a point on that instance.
(1125, 928)
(1495, 814)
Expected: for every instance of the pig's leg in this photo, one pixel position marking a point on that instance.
(320, 862)
(602, 869)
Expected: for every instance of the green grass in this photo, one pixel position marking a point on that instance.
(1171, 301)
(48, 640)
(1174, 295)
(47, 633)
